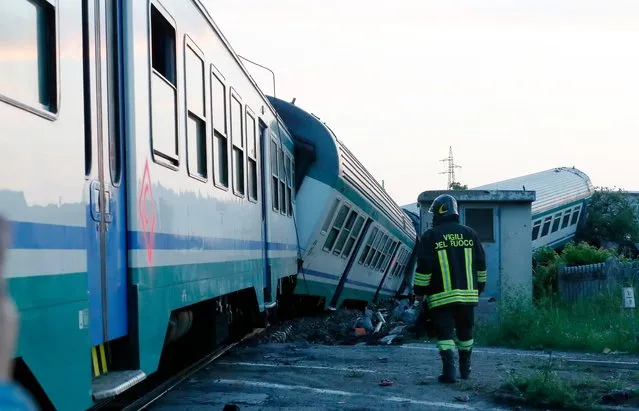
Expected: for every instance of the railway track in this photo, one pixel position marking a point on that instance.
(148, 392)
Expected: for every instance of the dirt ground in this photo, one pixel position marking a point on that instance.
(305, 376)
(515, 378)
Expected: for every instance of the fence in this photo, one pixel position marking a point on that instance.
(585, 281)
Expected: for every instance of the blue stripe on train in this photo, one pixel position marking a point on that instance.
(26, 235)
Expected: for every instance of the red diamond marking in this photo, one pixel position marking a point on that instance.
(146, 209)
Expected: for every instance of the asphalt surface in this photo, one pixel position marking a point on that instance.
(302, 376)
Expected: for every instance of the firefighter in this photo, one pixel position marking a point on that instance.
(450, 275)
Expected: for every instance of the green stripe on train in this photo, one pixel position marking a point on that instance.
(51, 342)
(58, 352)
(160, 290)
(317, 288)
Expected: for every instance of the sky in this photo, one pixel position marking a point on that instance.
(515, 86)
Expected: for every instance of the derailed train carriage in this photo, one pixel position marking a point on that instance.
(356, 242)
(562, 195)
(150, 187)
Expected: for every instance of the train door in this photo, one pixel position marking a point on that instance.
(105, 136)
(263, 136)
(349, 264)
(389, 267)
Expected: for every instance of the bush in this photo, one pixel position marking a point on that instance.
(546, 264)
(583, 253)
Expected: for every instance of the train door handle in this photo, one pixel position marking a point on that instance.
(108, 217)
(94, 200)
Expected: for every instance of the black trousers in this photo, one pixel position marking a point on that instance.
(454, 320)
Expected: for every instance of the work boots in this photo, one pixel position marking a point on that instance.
(448, 366)
(464, 363)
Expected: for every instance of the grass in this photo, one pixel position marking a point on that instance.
(545, 388)
(593, 325)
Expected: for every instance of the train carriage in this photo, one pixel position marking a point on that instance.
(562, 194)
(356, 242)
(562, 197)
(140, 166)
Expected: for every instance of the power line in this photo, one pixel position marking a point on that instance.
(451, 168)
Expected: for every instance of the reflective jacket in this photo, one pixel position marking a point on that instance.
(451, 266)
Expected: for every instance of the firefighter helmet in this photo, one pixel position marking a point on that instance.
(444, 205)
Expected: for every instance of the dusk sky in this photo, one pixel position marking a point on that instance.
(513, 86)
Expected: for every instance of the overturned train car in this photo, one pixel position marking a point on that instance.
(356, 243)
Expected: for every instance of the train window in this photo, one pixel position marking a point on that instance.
(220, 139)
(218, 103)
(28, 73)
(195, 112)
(292, 180)
(371, 254)
(345, 232)
(289, 186)
(237, 139)
(535, 229)
(367, 247)
(393, 263)
(353, 237)
(251, 154)
(337, 226)
(385, 255)
(575, 215)
(390, 255)
(398, 260)
(114, 95)
(163, 89)
(287, 199)
(282, 175)
(329, 216)
(403, 261)
(555, 223)
(402, 266)
(546, 227)
(378, 252)
(275, 185)
(481, 220)
(564, 223)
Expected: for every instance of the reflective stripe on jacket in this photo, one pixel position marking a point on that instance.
(451, 265)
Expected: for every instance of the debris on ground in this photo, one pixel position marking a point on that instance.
(462, 398)
(387, 322)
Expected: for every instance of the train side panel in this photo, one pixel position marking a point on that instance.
(353, 229)
(280, 208)
(43, 193)
(195, 177)
(558, 226)
(561, 197)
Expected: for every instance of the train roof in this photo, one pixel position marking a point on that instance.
(335, 161)
(553, 187)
